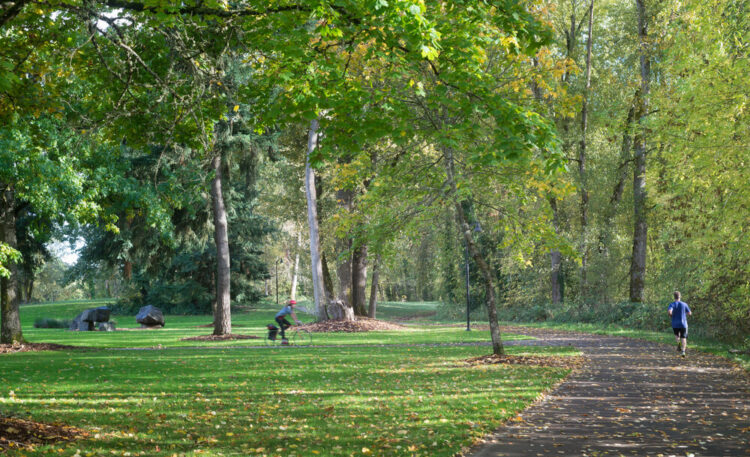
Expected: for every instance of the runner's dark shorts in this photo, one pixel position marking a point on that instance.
(681, 332)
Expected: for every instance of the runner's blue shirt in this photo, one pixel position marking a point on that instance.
(680, 310)
(284, 311)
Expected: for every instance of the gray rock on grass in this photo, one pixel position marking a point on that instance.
(150, 316)
(86, 321)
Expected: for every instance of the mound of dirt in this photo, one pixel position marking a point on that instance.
(492, 359)
(362, 324)
(231, 336)
(25, 434)
(33, 347)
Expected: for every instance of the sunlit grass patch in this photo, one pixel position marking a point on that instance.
(315, 401)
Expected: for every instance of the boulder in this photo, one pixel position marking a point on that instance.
(79, 324)
(100, 314)
(106, 326)
(150, 316)
(85, 321)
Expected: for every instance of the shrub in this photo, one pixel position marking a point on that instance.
(48, 322)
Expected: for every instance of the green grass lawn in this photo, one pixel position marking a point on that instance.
(245, 323)
(328, 400)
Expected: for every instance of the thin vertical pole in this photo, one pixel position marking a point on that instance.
(468, 296)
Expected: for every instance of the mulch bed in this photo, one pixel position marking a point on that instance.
(33, 347)
(24, 434)
(493, 359)
(231, 336)
(362, 324)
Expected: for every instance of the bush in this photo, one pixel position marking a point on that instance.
(48, 322)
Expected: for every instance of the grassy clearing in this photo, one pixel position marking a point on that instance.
(694, 343)
(258, 401)
(254, 402)
(246, 323)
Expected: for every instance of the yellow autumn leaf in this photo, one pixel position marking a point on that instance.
(236, 108)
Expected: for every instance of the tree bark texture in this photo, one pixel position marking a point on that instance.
(222, 317)
(372, 306)
(327, 280)
(10, 327)
(640, 226)
(359, 280)
(319, 293)
(497, 342)
(295, 267)
(584, 205)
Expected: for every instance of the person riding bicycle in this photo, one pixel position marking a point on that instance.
(281, 319)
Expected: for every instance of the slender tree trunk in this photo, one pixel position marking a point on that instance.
(497, 342)
(127, 270)
(584, 205)
(319, 292)
(344, 254)
(295, 268)
(555, 259)
(372, 308)
(640, 229)
(10, 327)
(30, 290)
(359, 280)
(222, 316)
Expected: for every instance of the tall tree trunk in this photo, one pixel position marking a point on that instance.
(10, 327)
(372, 306)
(30, 290)
(555, 257)
(584, 205)
(640, 226)
(222, 316)
(295, 268)
(344, 254)
(327, 281)
(497, 342)
(319, 292)
(127, 270)
(359, 280)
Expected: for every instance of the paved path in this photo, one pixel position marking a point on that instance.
(633, 398)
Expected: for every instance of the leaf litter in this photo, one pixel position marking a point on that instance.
(16, 433)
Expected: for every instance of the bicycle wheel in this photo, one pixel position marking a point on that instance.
(301, 337)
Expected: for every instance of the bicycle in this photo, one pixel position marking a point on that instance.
(295, 336)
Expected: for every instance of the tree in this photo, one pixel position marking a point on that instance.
(312, 219)
(640, 145)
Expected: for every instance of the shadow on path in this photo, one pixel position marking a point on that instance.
(632, 398)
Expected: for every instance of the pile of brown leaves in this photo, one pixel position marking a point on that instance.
(33, 347)
(231, 336)
(362, 324)
(18, 433)
(563, 362)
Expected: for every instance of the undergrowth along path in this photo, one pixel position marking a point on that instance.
(632, 398)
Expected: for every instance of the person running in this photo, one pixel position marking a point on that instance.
(281, 319)
(679, 311)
